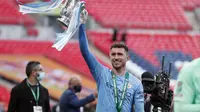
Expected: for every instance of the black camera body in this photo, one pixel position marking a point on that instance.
(159, 88)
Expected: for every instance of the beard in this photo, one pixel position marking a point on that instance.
(118, 66)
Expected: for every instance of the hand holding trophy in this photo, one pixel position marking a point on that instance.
(72, 16)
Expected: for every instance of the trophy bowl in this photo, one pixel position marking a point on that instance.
(66, 12)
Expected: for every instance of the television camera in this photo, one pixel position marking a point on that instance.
(159, 88)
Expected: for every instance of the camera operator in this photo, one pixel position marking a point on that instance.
(147, 103)
(158, 87)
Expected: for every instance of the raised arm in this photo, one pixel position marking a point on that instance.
(93, 64)
(139, 99)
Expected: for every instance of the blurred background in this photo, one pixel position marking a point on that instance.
(150, 28)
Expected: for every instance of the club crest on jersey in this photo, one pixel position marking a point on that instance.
(129, 85)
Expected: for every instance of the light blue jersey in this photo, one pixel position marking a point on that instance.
(134, 97)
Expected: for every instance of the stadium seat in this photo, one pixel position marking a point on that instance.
(32, 32)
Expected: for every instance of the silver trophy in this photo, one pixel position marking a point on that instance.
(66, 12)
(73, 14)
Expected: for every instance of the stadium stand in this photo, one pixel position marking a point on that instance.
(69, 56)
(147, 50)
(146, 14)
(9, 14)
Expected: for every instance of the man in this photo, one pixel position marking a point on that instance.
(118, 90)
(30, 95)
(69, 101)
(187, 90)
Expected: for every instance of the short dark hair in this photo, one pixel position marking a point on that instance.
(119, 45)
(31, 66)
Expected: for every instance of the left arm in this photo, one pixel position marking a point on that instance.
(75, 102)
(139, 99)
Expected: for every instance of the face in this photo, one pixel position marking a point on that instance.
(37, 70)
(118, 57)
(75, 82)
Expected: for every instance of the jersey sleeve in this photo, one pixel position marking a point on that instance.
(95, 67)
(185, 91)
